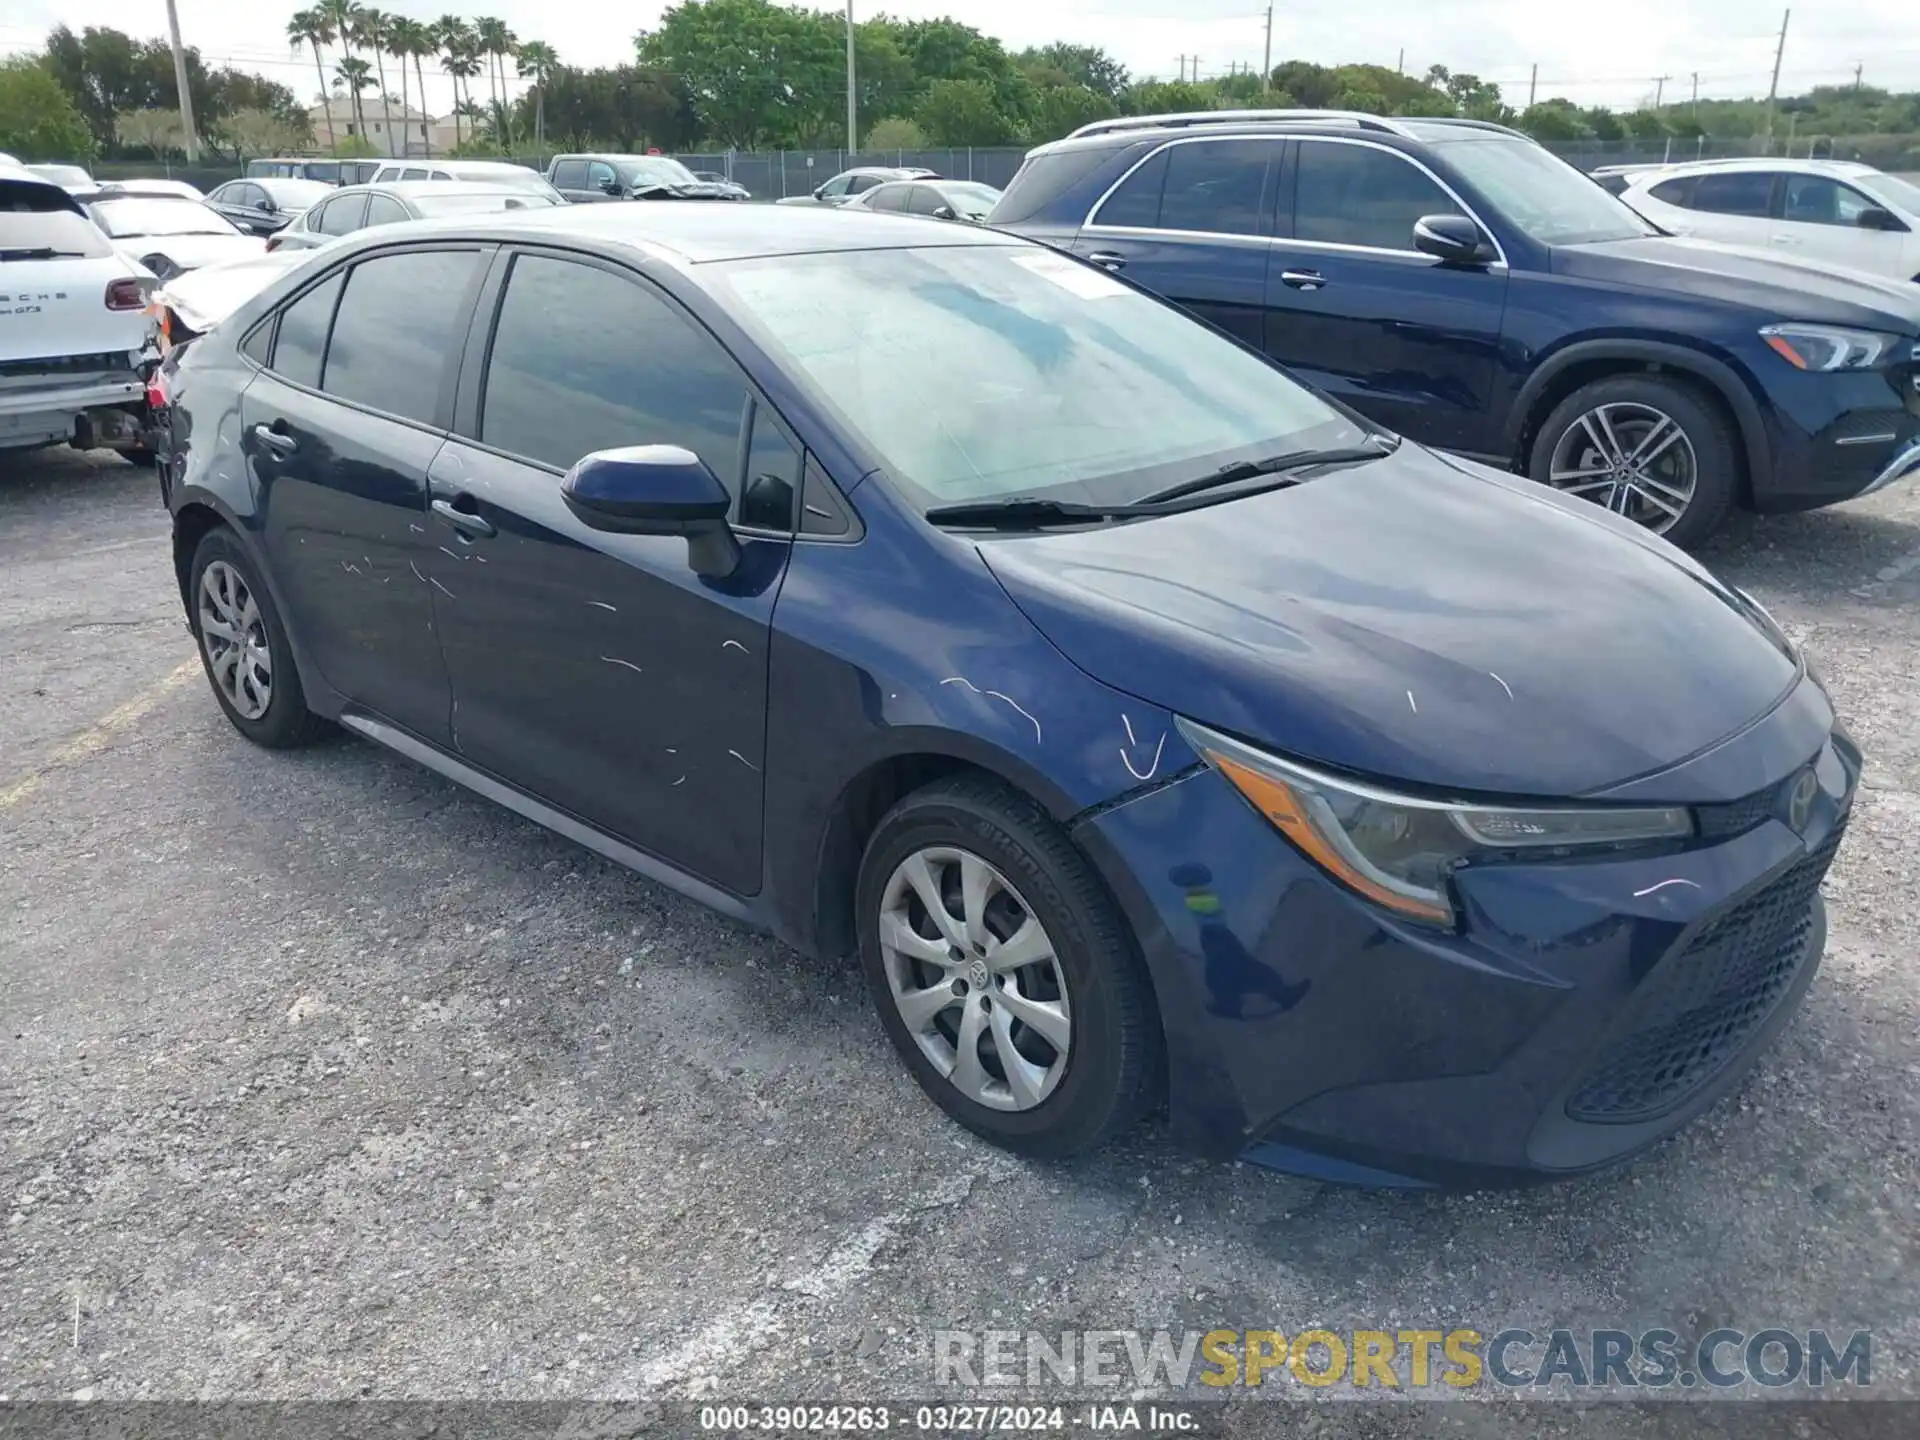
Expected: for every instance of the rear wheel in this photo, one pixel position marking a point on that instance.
(1003, 972)
(244, 647)
(1649, 448)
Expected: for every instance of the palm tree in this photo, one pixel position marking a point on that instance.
(312, 28)
(356, 75)
(420, 44)
(535, 62)
(396, 30)
(372, 31)
(494, 41)
(341, 17)
(455, 39)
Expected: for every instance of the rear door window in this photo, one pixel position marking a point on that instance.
(889, 197)
(570, 175)
(1362, 195)
(342, 216)
(302, 342)
(399, 324)
(1136, 204)
(1216, 186)
(1743, 192)
(585, 359)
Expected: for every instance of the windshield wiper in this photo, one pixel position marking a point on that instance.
(41, 252)
(1273, 465)
(1030, 511)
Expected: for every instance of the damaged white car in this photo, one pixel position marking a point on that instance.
(76, 341)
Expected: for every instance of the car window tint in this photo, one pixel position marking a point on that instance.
(302, 340)
(1675, 192)
(413, 172)
(570, 175)
(384, 210)
(258, 346)
(924, 199)
(1216, 186)
(1137, 201)
(836, 186)
(399, 323)
(343, 216)
(1359, 195)
(773, 475)
(1744, 192)
(584, 359)
(1818, 200)
(888, 197)
(599, 173)
(823, 510)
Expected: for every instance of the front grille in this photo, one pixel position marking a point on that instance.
(1736, 817)
(1698, 1008)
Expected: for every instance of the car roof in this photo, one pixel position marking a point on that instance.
(697, 234)
(1837, 169)
(406, 189)
(1131, 129)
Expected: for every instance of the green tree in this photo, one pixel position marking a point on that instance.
(536, 61)
(964, 112)
(157, 130)
(1554, 120)
(1086, 65)
(756, 72)
(894, 133)
(313, 29)
(1061, 109)
(38, 120)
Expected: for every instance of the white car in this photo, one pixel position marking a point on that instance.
(1851, 216)
(75, 335)
(171, 189)
(169, 235)
(482, 172)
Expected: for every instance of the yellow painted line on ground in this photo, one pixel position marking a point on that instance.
(97, 736)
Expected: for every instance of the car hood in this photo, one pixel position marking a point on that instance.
(1787, 287)
(189, 252)
(1415, 619)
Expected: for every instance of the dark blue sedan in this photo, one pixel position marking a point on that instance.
(1156, 731)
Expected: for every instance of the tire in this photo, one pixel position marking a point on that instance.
(1572, 443)
(145, 459)
(1054, 1102)
(284, 722)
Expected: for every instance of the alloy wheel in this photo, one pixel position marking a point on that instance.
(233, 633)
(975, 978)
(1634, 459)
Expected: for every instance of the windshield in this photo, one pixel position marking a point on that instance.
(658, 170)
(295, 194)
(1903, 193)
(62, 174)
(471, 204)
(983, 372)
(1539, 192)
(125, 219)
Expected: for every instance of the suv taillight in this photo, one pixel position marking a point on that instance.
(125, 295)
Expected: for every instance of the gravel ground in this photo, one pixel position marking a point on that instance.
(322, 1078)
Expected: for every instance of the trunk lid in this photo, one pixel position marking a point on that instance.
(55, 267)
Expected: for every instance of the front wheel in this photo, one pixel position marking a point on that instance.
(1649, 448)
(1003, 971)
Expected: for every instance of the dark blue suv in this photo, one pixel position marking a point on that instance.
(1460, 284)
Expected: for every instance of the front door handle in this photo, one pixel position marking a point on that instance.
(277, 441)
(467, 522)
(1108, 260)
(1303, 279)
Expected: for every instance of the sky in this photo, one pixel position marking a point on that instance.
(1599, 53)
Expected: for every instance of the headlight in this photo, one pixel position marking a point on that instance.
(1398, 850)
(1828, 347)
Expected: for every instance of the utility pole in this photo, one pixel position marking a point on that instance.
(1400, 65)
(1696, 95)
(1266, 59)
(1183, 69)
(853, 113)
(1533, 84)
(1660, 89)
(190, 140)
(1773, 90)
(1858, 70)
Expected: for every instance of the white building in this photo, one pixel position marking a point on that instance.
(409, 132)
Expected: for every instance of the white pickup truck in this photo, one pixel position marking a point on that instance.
(75, 336)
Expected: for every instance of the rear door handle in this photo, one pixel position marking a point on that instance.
(467, 522)
(1108, 260)
(277, 441)
(1303, 279)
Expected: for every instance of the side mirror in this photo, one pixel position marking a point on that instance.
(1452, 238)
(820, 192)
(265, 207)
(945, 212)
(609, 187)
(656, 490)
(1875, 218)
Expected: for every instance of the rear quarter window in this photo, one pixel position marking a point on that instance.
(1044, 179)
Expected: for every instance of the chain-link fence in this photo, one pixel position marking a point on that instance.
(777, 174)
